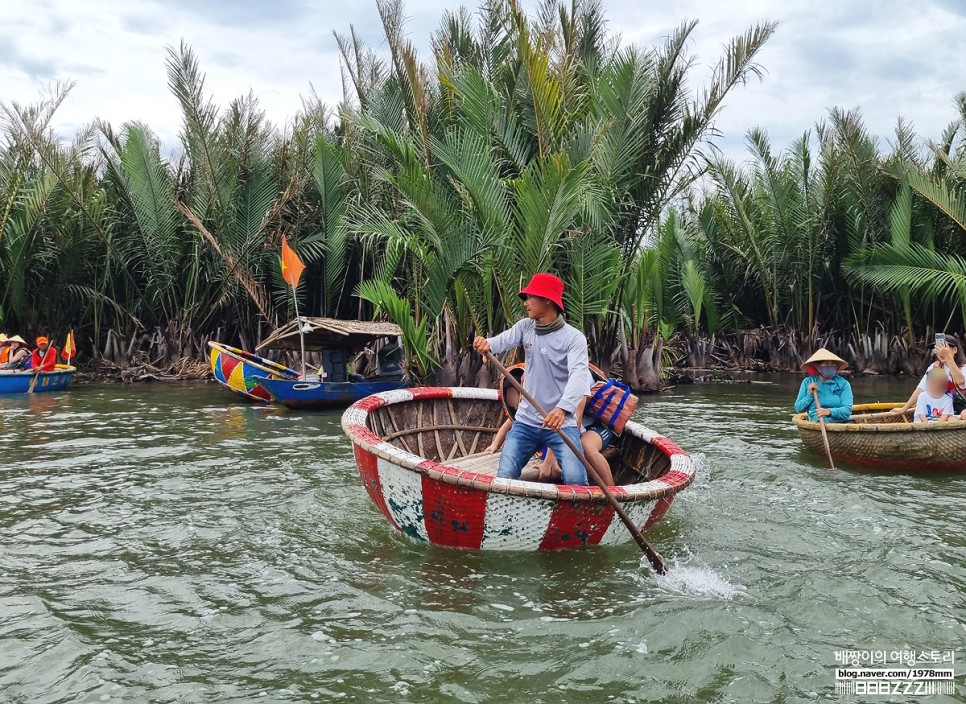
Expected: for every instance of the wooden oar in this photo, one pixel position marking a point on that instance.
(657, 562)
(821, 422)
(883, 414)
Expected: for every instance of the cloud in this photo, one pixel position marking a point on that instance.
(890, 57)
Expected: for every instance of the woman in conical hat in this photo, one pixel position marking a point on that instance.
(834, 392)
(17, 352)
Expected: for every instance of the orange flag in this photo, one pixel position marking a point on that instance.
(69, 348)
(292, 266)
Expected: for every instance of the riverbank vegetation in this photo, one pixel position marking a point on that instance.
(441, 183)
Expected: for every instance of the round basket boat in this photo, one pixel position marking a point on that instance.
(419, 455)
(880, 441)
(240, 371)
(24, 382)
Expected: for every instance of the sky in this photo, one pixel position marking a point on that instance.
(887, 57)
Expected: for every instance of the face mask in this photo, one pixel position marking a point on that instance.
(828, 370)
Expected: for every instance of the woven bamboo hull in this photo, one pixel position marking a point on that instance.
(19, 382)
(911, 446)
(240, 371)
(408, 444)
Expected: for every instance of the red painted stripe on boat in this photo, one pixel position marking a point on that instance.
(453, 515)
(361, 432)
(368, 465)
(668, 447)
(659, 510)
(575, 523)
(369, 403)
(431, 392)
(260, 392)
(227, 364)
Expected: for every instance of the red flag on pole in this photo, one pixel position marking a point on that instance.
(292, 266)
(69, 348)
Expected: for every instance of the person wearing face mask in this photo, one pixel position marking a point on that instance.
(834, 392)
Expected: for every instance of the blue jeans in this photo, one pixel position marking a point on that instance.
(523, 440)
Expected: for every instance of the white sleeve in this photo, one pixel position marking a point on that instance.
(948, 405)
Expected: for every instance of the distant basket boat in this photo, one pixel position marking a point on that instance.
(242, 372)
(19, 382)
(418, 453)
(881, 442)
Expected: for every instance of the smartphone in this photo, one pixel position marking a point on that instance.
(940, 338)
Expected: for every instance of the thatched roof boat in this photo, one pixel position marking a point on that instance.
(419, 455)
(878, 440)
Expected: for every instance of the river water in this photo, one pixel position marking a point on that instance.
(165, 544)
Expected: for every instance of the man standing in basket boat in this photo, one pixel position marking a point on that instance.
(834, 392)
(557, 375)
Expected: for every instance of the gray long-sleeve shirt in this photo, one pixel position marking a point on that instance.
(556, 373)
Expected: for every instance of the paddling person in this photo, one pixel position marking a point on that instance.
(17, 354)
(557, 375)
(44, 358)
(834, 392)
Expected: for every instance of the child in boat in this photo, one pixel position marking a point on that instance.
(556, 375)
(935, 404)
(834, 392)
(549, 470)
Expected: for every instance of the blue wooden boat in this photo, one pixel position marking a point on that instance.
(339, 381)
(19, 382)
(325, 394)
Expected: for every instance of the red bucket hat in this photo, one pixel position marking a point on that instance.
(546, 286)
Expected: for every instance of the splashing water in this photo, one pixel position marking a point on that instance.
(702, 469)
(691, 577)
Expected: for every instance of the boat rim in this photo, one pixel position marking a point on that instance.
(802, 423)
(61, 369)
(679, 475)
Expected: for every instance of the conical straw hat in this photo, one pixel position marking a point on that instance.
(17, 338)
(823, 355)
(3, 338)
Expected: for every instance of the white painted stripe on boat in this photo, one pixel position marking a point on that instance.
(639, 512)
(397, 396)
(402, 491)
(682, 463)
(474, 393)
(354, 416)
(641, 431)
(514, 522)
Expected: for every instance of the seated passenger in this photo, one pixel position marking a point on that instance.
(17, 354)
(935, 404)
(950, 358)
